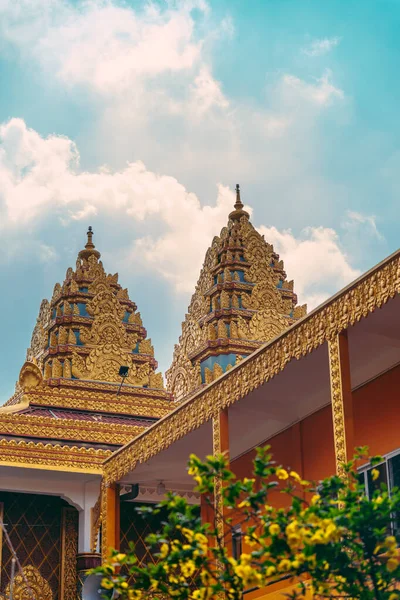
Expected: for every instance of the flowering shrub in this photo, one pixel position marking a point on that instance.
(330, 539)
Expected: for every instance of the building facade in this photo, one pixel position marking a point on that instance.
(250, 368)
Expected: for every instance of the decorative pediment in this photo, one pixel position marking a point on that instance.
(30, 580)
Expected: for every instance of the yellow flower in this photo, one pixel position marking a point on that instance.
(270, 571)
(244, 503)
(124, 585)
(282, 474)
(294, 539)
(118, 557)
(392, 564)
(284, 565)
(164, 550)
(390, 541)
(374, 474)
(107, 584)
(295, 476)
(250, 541)
(188, 533)
(274, 529)
(315, 499)
(296, 564)
(394, 597)
(188, 568)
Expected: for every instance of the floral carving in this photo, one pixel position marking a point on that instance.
(30, 581)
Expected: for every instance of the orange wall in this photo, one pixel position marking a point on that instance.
(306, 447)
(376, 409)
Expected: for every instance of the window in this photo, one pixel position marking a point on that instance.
(389, 474)
(236, 541)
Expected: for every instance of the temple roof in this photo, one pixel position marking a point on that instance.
(69, 388)
(242, 300)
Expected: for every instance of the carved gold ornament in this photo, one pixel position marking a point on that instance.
(90, 329)
(52, 456)
(69, 551)
(339, 430)
(30, 581)
(241, 294)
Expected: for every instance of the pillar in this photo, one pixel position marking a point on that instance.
(69, 549)
(220, 446)
(110, 530)
(341, 399)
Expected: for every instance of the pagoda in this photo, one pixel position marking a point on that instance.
(72, 399)
(241, 301)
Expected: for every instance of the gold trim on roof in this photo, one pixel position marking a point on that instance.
(143, 402)
(356, 301)
(68, 429)
(52, 457)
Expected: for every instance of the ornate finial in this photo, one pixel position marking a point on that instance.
(238, 204)
(89, 243)
(238, 213)
(89, 246)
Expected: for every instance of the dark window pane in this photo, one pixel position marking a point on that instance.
(394, 470)
(376, 485)
(236, 542)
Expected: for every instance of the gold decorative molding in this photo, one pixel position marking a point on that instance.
(32, 578)
(360, 299)
(104, 517)
(69, 551)
(67, 429)
(96, 520)
(52, 457)
(218, 497)
(339, 429)
(96, 396)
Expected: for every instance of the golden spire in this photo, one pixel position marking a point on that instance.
(89, 249)
(238, 213)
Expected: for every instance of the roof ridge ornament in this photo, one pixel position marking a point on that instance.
(238, 213)
(90, 248)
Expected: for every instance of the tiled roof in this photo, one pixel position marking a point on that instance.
(57, 413)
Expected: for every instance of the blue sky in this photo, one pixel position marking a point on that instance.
(139, 119)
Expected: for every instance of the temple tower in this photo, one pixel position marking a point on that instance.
(242, 300)
(90, 328)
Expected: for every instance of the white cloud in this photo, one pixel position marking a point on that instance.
(39, 177)
(355, 219)
(315, 260)
(320, 47)
(102, 44)
(322, 92)
(146, 76)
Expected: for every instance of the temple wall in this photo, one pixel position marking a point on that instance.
(307, 446)
(376, 410)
